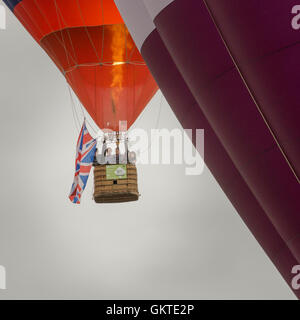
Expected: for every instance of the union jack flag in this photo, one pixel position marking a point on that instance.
(85, 153)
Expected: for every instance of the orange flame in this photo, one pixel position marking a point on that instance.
(119, 47)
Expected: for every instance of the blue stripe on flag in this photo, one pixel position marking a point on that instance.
(90, 156)
(11, 3)
(84, 179)
(75, 200)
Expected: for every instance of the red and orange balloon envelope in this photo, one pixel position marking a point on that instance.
(90, 44)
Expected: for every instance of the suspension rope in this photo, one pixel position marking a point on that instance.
(66, 51)
(103, 33)
(54, 56)
(72, 57)
(73, 107)
(100, 60)
(102, 48)
(52, 53)
(67, 56)
(74, 113)
(90, 124)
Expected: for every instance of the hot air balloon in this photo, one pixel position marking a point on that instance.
(267, 55)
(90, 44)
(210, 93)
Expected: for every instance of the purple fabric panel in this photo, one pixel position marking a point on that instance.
(191, 116)
(201, 57)
(266, 49)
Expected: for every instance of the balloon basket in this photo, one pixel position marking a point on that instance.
(115, 183)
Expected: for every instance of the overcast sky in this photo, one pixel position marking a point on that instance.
(181, 240)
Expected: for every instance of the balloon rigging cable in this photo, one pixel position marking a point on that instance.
(253, 97)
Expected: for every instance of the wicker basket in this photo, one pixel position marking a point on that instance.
(109, 188)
